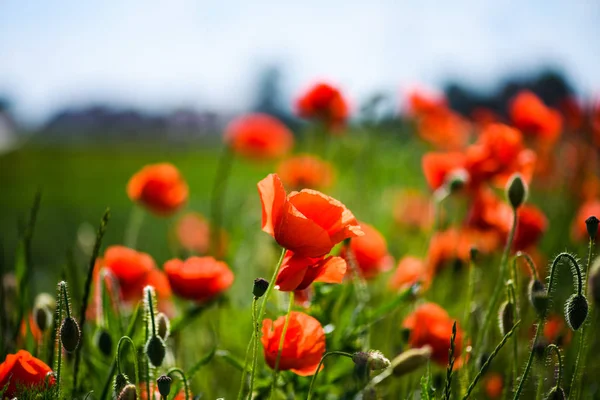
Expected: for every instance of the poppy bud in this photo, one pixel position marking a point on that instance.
(260, 287)
(538, 296)
(104, 341)
(163, 326)
(592, 226)
(506, 317)
(121, 380)
(411, 359)
(164, 385)
(516, 191)
(70, 334)
(557, 393)
(128, 393)
(156, 350)
(374, 359)
(457, 180)
(576, 311)
(42, 317)
(473, 253)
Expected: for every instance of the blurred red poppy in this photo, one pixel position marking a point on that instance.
(444, 129)
(483, 117)
(298, 272)
(531, 225)
(572, 112)
(198, 278)
(494, 384)
(325, 103)
(134, 270)
(305, 171)
(431, 325)
(259, 136)
(438, 167)
(578, 227)
(158, 187)
(533, 117)
(308, 222)
(595, 122)
(370, 252)
(421, 101)
(556, 330)
(192, 231)
(409, 271)
(303, 346)
(23, 370)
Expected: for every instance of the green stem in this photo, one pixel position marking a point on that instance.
(490, 358)
(574, 389)
(134, 225)
(250, 346)
(559, 361)
(130, 331)
(184, 379)
(58, 345)
(314, 378)
(65, 296)
(538, 331)
(513, 300)
(218, 198)
(150, 300)
(448, 386)
(255, 336)
(135, 361)
(261, 315)
(499, 284)
(281, 342)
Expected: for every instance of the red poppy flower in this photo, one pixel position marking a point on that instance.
(305, 171)
(198, 278)
(494, 384)
(595, 122)
(158, 187)
(298, 272)
(259, 136)
(483, 117)
(572, 112)
(437, 167)
(431, 325)
(308, 222)
(303, 346)
(409, 271)
(193, 234)
(134, 270)
(454, 245)
(532, 116)
(422, 102)
(578, 228)
(370, 252)
(23, 370)
(531, 225)
(444, 129)
(325, 103)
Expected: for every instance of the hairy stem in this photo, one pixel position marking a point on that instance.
(281, 342)
(314, 378)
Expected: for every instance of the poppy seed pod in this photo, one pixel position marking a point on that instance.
(163, 326)
(516, 191)
(156, 350)
(260, 287)
(538, 296)
(374, 359)
(121, 380)
(591, 225)
(104, 341)
(164, 385)
(128, 393)
(506, 317)
(457, 180)
(576, 311)
(557, 393)
(70, 334)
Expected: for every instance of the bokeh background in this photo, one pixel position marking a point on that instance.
(92, 91)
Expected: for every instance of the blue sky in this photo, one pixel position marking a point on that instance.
(157, 54)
